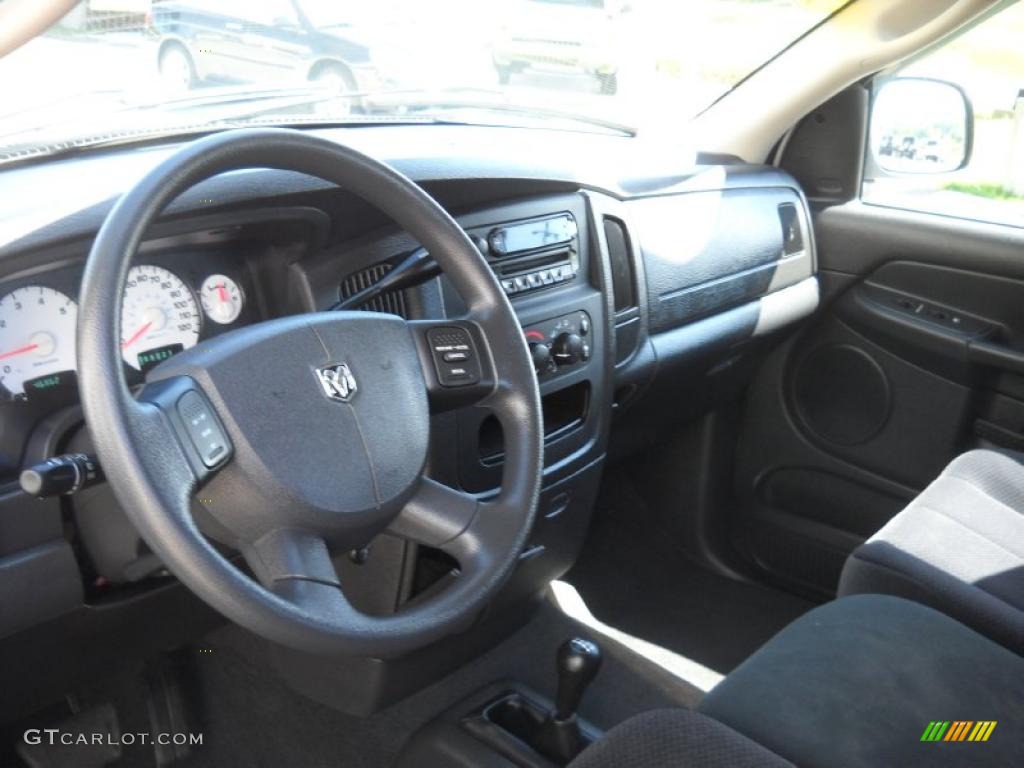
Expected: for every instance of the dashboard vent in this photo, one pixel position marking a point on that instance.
(392, 302)
(621, 264)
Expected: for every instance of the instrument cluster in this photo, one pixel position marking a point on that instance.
(166, 307)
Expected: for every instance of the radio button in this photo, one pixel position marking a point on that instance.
(496, 241)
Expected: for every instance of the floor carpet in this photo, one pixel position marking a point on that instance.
(633, 577)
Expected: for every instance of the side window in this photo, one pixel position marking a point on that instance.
(916, 142)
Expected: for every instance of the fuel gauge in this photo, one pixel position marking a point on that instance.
(222, 299)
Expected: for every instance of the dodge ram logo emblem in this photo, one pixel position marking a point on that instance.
(338, 382)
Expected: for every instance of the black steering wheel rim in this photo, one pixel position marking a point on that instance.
(297, 602)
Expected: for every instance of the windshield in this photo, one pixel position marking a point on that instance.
(118, 69)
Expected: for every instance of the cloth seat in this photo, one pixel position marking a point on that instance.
(855, 683)
(958, 547)
(675, 738)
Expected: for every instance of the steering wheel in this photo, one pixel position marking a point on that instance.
(309, 435)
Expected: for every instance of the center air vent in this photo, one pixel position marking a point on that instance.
(392, 302)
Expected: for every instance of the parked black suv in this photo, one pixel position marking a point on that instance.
(239, 40)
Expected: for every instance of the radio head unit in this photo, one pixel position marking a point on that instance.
(533, 254)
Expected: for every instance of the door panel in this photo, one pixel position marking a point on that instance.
(916, 356)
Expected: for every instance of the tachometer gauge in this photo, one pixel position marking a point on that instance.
(37, 337)
(222, 299)
(159, 317)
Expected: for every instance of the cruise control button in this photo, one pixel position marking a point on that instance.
(202, 428)
(455, 360)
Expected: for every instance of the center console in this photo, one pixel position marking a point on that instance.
(542, 253)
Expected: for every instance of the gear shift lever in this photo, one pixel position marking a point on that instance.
(578, 661)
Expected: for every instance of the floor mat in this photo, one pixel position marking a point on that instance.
(633, 578)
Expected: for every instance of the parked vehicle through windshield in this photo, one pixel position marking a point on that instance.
(123, 67)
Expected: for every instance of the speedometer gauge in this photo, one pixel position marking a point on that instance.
(159, 316)
(37, 337)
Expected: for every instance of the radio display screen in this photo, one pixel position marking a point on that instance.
(531, 235)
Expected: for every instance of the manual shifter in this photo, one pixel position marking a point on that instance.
(577, 661)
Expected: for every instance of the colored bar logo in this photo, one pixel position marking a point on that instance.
(958, 730)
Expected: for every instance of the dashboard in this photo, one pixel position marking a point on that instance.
(646, 283)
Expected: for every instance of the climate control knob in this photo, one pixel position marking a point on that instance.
(568, 348)
(541, 353)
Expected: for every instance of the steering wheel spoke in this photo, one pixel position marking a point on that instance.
(448, 519)
(456, 361)
(296, 565)
(435, 515)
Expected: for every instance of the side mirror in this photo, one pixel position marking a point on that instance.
(919, 125)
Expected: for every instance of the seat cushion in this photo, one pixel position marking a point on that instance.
(856, 683)
(958, 547)
(674, 738)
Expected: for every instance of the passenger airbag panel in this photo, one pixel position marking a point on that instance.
(706, 251)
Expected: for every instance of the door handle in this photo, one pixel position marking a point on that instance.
(995, 355)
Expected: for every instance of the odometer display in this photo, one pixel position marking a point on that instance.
(151, 358)
(158, 311)
(37, 336)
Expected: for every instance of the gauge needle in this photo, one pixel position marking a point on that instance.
(222, 292)
(19, 351)
(137, 335)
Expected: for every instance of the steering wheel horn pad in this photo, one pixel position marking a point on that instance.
(302, 457)
(328, 419)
